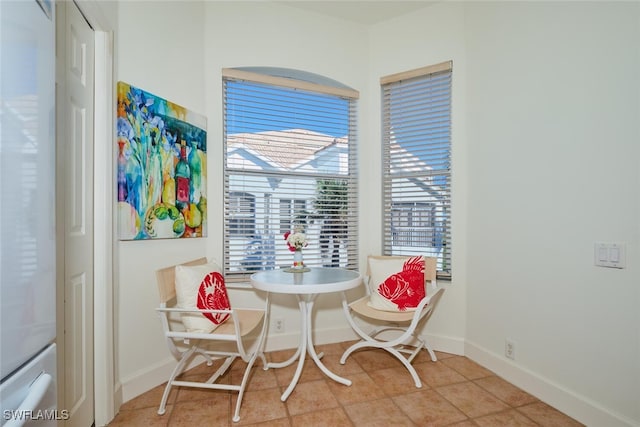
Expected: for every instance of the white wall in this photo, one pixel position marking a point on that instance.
(546, 156)
(159, 49)
(545, 153)
(552, 149)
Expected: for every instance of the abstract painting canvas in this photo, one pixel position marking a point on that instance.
(162, 168)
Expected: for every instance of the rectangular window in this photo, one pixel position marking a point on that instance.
(289, 143)
(416, 140)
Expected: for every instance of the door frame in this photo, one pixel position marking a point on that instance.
(107, 392)
(105, 389)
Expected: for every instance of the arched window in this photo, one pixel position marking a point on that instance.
(290, 143)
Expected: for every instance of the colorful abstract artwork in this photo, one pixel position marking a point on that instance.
(162, 168)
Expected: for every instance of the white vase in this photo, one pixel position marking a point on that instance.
(298, 263)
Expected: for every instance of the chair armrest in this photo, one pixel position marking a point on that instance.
(239, 285)
(190, 310)
(195, 310)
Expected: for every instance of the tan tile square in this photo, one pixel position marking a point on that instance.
(505, 391)
(346, 344)
(371, 360)
(361, 389)
(471, 399)
(334, 349)
(395, 381)
(310, 372)
(258, 406)
(240, 365)
(377, 413)
(150, 399)
(324, 418)
(280, 355)
(422, 356)
(511, 418)
(202, 369)
(332, 362)
(467, 367)
(145, 416)
(259, 379)
(426, 408)
(280, 422)
(437, 374)
(547, 416)
(311, 396)
(442, 355)
(213, 412)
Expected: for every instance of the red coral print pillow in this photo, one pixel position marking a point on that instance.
(397, 284)
(212, 295)
(201, 287)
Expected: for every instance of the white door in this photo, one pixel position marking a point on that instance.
(75, 110)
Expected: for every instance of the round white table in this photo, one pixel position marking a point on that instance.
(306, 286)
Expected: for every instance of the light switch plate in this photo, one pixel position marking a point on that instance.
(610, 254)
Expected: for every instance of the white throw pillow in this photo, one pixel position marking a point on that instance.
(201, 287)
(396, 283)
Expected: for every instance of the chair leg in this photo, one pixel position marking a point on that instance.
(176, 371)
(407, 364)
(354, 347)
(243, 384)
(391, 350)
(431, 352)
(264, 361)
(162, 409)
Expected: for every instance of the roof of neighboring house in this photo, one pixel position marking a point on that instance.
(275, 146)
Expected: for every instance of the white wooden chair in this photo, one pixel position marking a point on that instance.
(226, 342)
(398, 333)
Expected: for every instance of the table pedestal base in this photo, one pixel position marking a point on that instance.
(306, 346)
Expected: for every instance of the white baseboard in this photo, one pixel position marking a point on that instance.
(326, 336)
(578, 407)
(148, 378)
(445, 344)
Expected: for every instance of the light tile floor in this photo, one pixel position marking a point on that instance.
(456, 391)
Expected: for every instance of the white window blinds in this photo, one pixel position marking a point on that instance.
(416, 138)
(289, 163)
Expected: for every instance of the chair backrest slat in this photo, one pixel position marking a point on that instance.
(166, 278)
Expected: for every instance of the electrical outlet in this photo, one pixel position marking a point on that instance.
(278, 325)
(510, 349)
